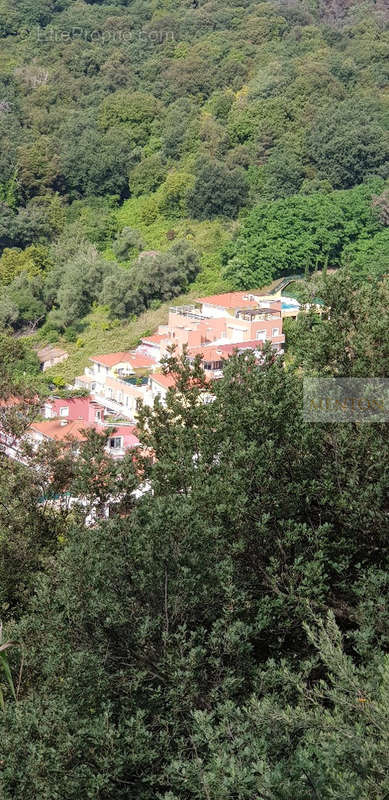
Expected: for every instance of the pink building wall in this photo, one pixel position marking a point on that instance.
(78, 408)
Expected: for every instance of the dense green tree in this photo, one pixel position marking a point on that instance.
(93, 162)
(217, 191)
(127, 243)
(299, 234)
(284, 173)
(147, 175)
(165, 653)
(344, 344)
(369, 258)
(346, 145)
(153, 277)
(135, 112)
(81, 284)
(174, 195)
(9, 311)
(26, 293)
(33, 260)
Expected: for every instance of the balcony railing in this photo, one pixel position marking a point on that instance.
(114, 405)
(191, 312)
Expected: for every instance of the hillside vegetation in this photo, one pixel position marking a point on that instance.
(224, 636)
(237, 141)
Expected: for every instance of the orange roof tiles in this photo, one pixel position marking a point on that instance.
(136, 360)
(55, 429)
(209, 353)
(156, 338)
(229, 300)
(164, 380)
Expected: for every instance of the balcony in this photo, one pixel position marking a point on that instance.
(113, 405)
(190, 312)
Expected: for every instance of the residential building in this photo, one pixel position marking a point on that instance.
(122, 438)
(115, 381)
(215, 327)
(221, 319)
(73, 408)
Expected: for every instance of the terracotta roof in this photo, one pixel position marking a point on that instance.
(53, 429)
(168, 381)
(164, 380)
(128, 432)
(229, 300)
(12, 401)
(209, 352)
(235, 347)
(136, 360)
(156, 338)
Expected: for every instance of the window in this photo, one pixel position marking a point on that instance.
(64, 411)
(115, 442)
(261, 335)
(275, 332)
(98, 416)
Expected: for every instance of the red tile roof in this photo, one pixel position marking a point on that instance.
(232, 347)
(136, 360)
(128, 432)
(209, 352)
(156, 338)
(229, 300)
(164, 380)
(212, 353)
(53, 429)
(168, 381)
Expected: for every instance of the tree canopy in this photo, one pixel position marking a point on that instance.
(224, 635)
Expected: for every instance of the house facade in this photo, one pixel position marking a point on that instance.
(232, 318)
(213, 328)
(121, 438)
(115, 381)
(73, 408)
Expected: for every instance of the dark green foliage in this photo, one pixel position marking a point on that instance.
(147, 176)
(165, 653)
(154, 277)
(284, 172)
(27, 295)
(93, 162)
(226, 637)
(217, 191)
(346, 145)
(357, 328)
(210, 111)
(126, 244)
(302, 233)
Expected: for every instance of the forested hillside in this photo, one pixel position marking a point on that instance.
(235, 141)
(225, 636)
(222, 633)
